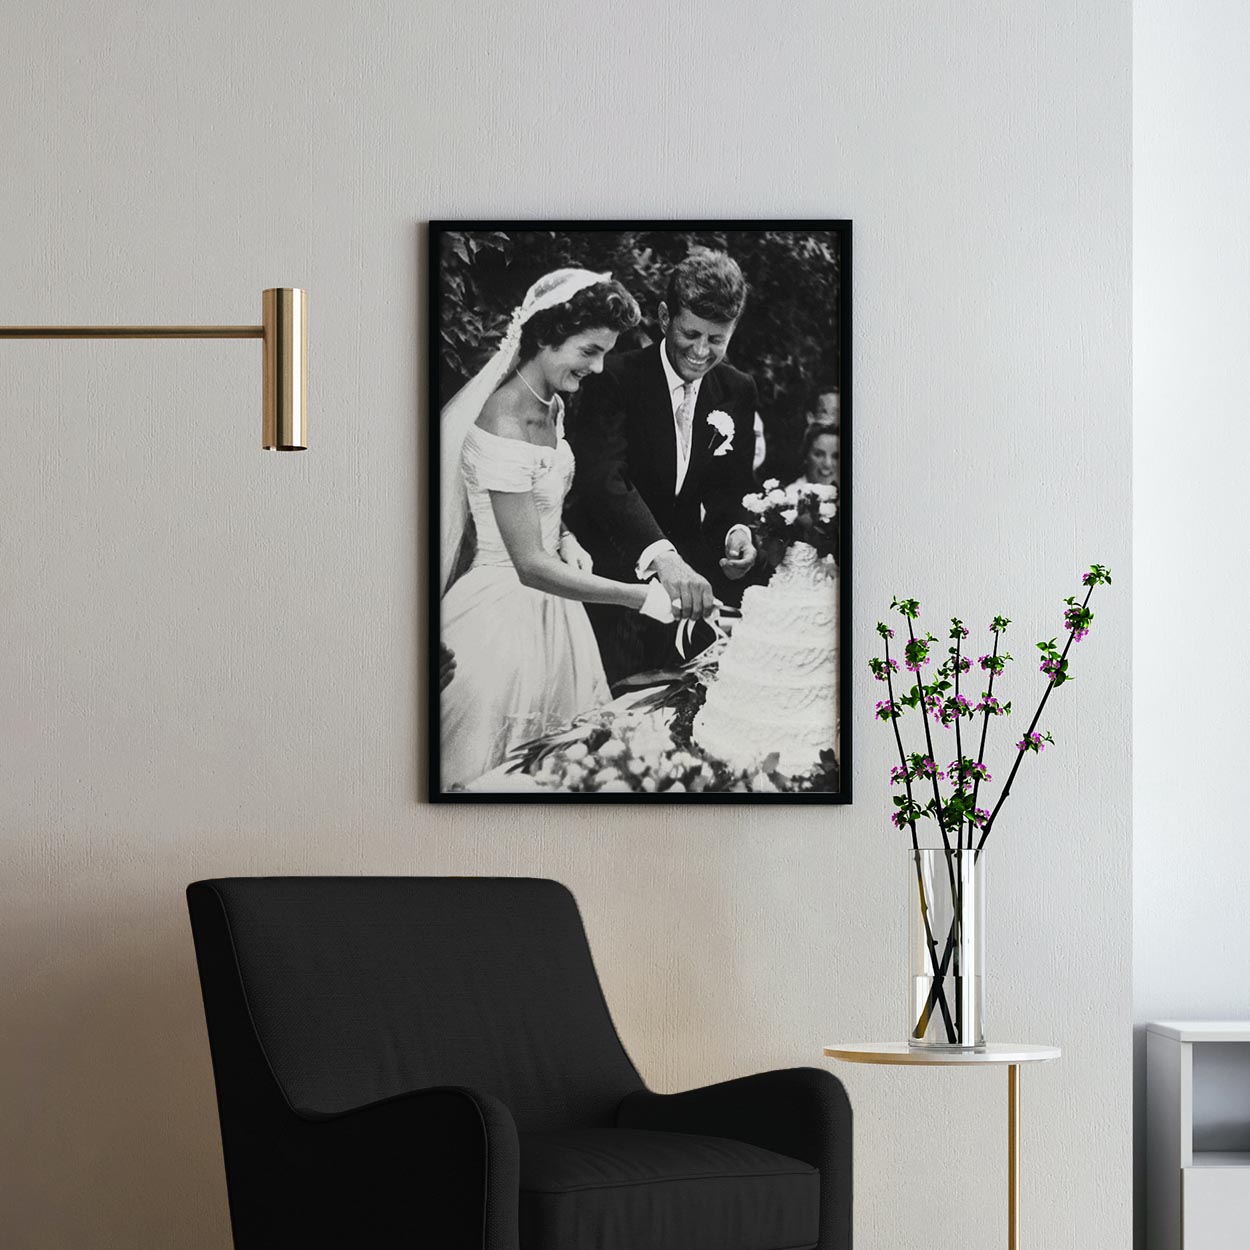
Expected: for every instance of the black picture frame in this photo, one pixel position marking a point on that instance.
(438, 393)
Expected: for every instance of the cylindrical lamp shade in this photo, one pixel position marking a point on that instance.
(286, 369)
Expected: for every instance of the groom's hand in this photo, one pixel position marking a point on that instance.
(739, 553)
(690, 594)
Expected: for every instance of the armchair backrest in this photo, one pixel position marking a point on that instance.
(359, 988)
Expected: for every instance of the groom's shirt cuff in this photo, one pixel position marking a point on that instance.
(643, 569)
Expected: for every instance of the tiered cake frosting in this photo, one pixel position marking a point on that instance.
(776, 689)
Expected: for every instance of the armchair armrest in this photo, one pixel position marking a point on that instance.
(800, 1112)
(437, 1166)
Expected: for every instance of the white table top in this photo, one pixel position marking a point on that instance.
(901, 1053)
(1202, 1030)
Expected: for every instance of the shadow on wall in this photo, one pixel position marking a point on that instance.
(110, 1109)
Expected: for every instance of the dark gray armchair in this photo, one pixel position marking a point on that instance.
(429, 1062)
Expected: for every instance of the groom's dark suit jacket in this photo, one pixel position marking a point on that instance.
(622, 433)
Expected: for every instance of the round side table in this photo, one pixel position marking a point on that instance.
(1000, 1053)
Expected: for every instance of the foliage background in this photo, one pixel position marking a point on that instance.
(789, 338)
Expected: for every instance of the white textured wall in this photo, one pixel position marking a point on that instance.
(1191, 530)
(211, 657)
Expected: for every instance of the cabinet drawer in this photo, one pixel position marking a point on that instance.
(1216, 1207)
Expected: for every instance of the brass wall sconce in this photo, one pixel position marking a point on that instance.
(284, 331)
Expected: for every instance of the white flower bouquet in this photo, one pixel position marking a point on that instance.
(803, 512)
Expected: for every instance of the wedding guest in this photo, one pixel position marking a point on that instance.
(826, 407)
(821, 454)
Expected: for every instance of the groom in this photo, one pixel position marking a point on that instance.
(664, 438)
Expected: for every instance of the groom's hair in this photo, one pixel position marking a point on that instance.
(604, 305)
(708, 283)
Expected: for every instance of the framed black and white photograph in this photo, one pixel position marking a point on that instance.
(640, 494)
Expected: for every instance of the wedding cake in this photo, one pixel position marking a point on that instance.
(776, 688)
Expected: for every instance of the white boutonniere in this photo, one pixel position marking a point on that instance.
(723, 424)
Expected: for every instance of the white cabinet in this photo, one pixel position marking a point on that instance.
(1198, 1135)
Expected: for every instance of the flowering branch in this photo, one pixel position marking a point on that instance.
(990, 706)
(959, 633)
(917, 653)
(1077, 620)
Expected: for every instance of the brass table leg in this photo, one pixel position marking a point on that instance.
(1013, 1156)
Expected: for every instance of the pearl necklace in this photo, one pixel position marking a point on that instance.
(546, 402)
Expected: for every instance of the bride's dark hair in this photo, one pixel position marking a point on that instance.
(605, 305)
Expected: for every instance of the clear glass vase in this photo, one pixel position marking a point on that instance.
(946, 948)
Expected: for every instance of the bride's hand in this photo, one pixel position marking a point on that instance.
(574, 554)
(657, 605)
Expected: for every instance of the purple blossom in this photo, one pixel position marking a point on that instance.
(883, 668)
(898, 820)
(1072, 621)
(1050, 666)
(980, 816)
(970, 769)
(954, 707)
(887, 709)
(1031, 742)
(990, 704)
(897, 773)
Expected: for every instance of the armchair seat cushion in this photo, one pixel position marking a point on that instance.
(633, 1189)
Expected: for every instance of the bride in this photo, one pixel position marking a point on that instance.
(526, 660)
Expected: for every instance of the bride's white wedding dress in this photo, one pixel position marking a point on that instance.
(526, 661)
